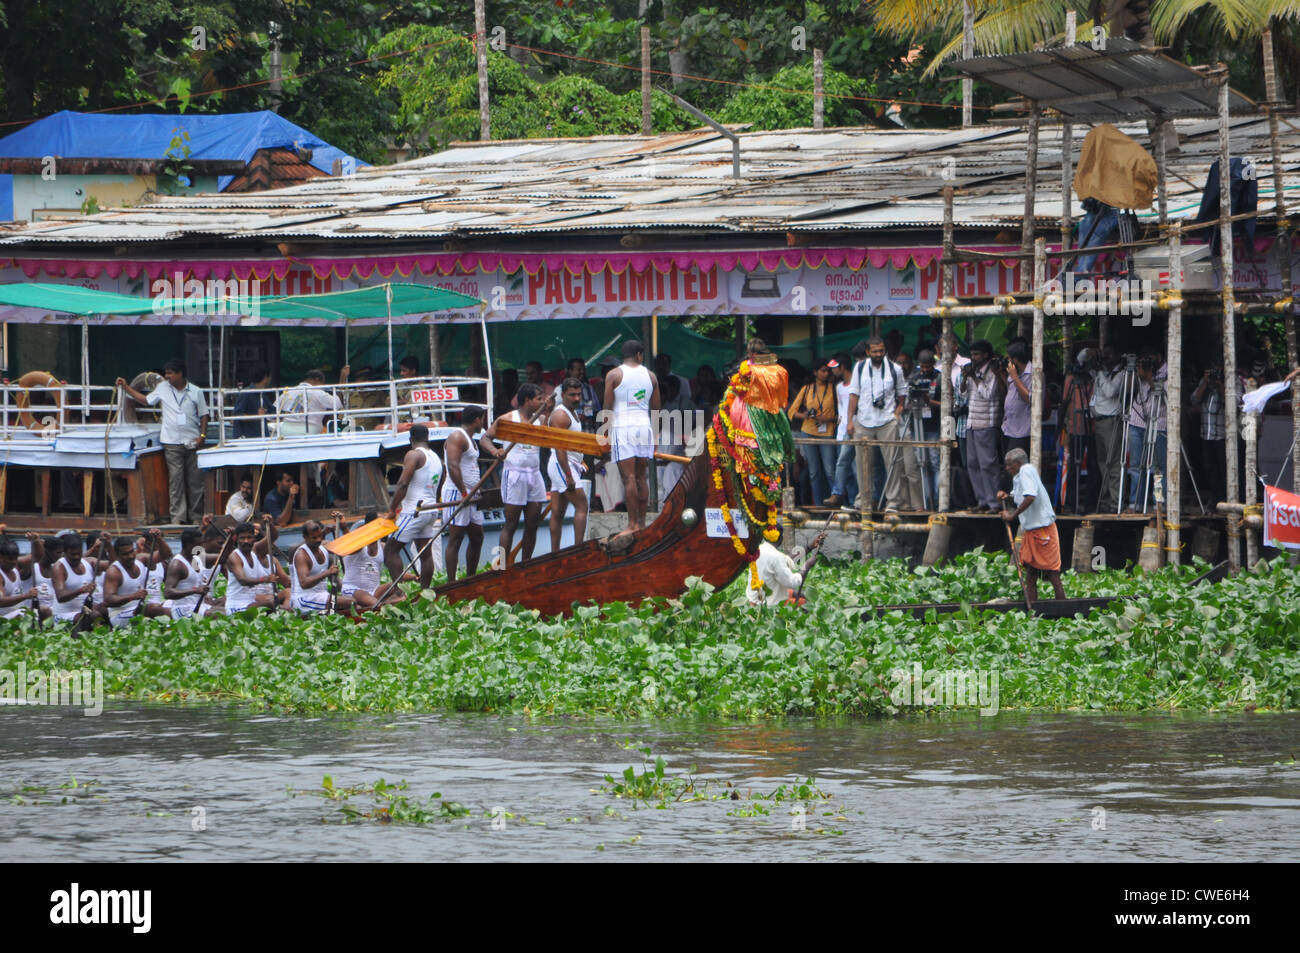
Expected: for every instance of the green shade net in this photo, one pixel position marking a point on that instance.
(339, 305)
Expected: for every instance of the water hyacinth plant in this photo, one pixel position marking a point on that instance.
(1162, 645)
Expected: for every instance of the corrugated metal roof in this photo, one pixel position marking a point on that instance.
(791, 180)
(1121, 82)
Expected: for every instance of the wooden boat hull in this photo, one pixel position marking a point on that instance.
(656, 561)
(1044, 608)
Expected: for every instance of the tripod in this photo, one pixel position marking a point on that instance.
(1152, 413)
(1076, 419)
(916, 431)
(1155, 403)
(1126, 399)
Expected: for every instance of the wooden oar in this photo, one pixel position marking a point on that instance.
(345, 544)
(361, 537)
(1015, 561)
(216, 568)
(559, 438)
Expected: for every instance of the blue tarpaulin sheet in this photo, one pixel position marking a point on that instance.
(212, 136)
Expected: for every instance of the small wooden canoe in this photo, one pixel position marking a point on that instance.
(629, 568)
(1043, 608)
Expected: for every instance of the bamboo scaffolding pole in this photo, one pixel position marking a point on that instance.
(947, 353)
(1174, 400)
(1282, 245)
(819, 90)
(481, 58)
(1036, 346)
(1230, 417)
(1067, 186)
(967, 51)
(1031, 194)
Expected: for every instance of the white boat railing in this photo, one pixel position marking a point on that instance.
(307, 409)
(44, 412)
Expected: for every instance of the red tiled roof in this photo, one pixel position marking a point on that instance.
(274, 169)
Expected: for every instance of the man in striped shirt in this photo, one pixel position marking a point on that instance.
(984, 388)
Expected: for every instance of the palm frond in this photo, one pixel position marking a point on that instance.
(1237, 18)
(910, 19)
(1011, 26)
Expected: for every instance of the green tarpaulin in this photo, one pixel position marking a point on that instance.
(340, 305)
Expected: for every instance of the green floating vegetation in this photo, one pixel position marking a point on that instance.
(388, 803)
(654, 786)
(1165, 645)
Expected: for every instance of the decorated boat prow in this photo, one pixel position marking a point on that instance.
(710, 526)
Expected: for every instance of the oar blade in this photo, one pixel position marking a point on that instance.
(361, 537)
(557, 438)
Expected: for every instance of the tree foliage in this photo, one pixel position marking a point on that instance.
(563, 68)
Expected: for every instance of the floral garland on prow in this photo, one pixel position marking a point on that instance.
(752, 460)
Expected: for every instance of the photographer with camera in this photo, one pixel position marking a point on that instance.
(923, 399)
(1016, 375)
(184, 431)
(1107, 406)
(983, 383)
(876, 398)
(1208, 396)
(813, 408)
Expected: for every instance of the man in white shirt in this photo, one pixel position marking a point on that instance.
(309, 405)
(184, 431)
(1040, 545)
(875, 402)
(241, 505)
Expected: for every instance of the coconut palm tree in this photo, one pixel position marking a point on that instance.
(1008, 25)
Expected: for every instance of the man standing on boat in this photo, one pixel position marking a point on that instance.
(566, 468)
(632, 392)
(1040, 547)
(876, 398)
(184, 431)
(522, 488)
(590, 406)
(461, 451)
(418, 484)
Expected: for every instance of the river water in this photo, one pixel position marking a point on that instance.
(1053, 787)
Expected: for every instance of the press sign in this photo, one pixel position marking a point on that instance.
(435, 395)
